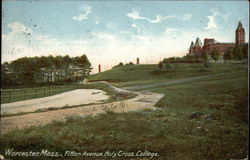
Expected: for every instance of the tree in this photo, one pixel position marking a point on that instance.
(215, 55)
(36, 70)
(67, 63)
(160, 65)
(168, 66)
(238, 52)
(245, 51)
(25, 68)
(205, 58)
(119, 65)
(229, 54)
(165, 60)
(5, 74)
(83, 64)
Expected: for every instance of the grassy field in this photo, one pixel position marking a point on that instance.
(130, 75)
(206, 119)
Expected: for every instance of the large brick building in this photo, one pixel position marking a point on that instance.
(211, 44)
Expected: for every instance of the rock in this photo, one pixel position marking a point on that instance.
(95, 93)
(209, 117)
(195, 115)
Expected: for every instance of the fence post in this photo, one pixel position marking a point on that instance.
(44, 91)
(35, 92)
(10, 96)
(25, 93)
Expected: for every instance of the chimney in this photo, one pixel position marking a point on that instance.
(99, 68)
(137, 61)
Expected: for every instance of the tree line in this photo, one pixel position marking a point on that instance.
(237, 52)
(45, 70)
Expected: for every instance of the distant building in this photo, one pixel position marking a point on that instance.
(211, 44)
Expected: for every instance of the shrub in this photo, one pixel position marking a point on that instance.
(160, 65)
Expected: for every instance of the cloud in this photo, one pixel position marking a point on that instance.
(158, 19)
(136, 27)
(170, 30)
(111, 25)
(187, 17)
(19, 27)
(212, 24)
(135, 15)
(86, 9)
(97, 22)
(21, 41)
(104, 36)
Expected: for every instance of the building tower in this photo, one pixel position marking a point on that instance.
(191, 49)
(240, 34)
(197, 47)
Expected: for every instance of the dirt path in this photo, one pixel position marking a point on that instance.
(144, 100)
(70, 98)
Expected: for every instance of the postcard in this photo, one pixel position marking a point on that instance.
(114, 79)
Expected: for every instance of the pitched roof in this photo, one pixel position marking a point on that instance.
(198, 42)
(192, 44)
(240, 26)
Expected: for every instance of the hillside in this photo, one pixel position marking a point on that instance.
(201, 119)
(130, 75)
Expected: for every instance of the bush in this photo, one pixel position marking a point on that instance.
(168, 66)
(206, 65)
(160, 65)
(119, 65)
(130, 63)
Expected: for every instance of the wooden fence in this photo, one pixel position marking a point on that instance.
(13, 95)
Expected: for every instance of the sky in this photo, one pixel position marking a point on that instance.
(109, 32)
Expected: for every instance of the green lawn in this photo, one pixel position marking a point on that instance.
(219, 133)
(130, 75)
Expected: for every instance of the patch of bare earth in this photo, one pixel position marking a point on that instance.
(144, 100)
